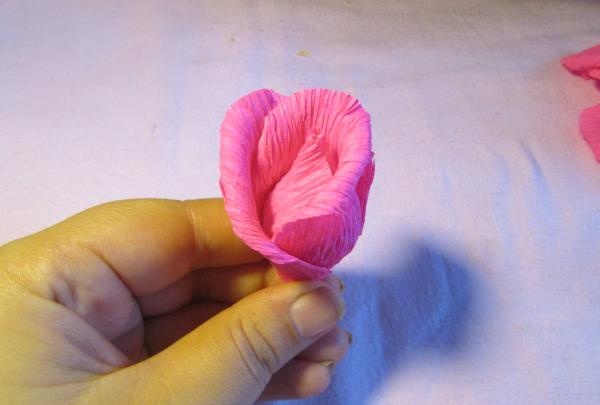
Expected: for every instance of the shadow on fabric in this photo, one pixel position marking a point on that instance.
(422, 303)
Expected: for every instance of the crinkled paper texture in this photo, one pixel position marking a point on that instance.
(587, 65)
(295, 174)
(589, 125)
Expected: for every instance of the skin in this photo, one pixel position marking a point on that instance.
(156, 301)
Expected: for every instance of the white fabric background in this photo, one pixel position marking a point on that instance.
(476, 280)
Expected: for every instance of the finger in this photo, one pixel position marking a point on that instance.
(170, 321)
(151, 243)
(331, 348)
(162, 331)
(297, 379)
(255, 337)
(222, 284)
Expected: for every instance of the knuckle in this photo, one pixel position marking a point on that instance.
(259, 355)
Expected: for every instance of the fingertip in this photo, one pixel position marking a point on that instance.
(272, 276)
(298, 379)
(335, 283)
(216, 243)
(332, 347)
(316, 380)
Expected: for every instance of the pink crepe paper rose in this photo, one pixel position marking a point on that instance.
(585, 63)
(295, 174)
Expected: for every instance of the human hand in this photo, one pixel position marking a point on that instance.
(158, 302)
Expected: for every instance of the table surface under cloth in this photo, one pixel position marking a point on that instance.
(477, 278)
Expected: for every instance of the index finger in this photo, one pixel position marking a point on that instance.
(151, 243)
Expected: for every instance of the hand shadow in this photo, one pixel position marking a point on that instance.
(422, 303)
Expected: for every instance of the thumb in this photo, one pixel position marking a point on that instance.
(230, 358)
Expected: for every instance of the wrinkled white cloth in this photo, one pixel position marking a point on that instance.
(476, 279)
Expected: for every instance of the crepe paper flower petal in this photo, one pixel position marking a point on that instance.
(589, 125)
(295, 174)
(585, 63)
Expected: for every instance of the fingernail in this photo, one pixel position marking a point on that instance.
(332, 366)
(335, 282)
(326, 363)
(316, 312)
